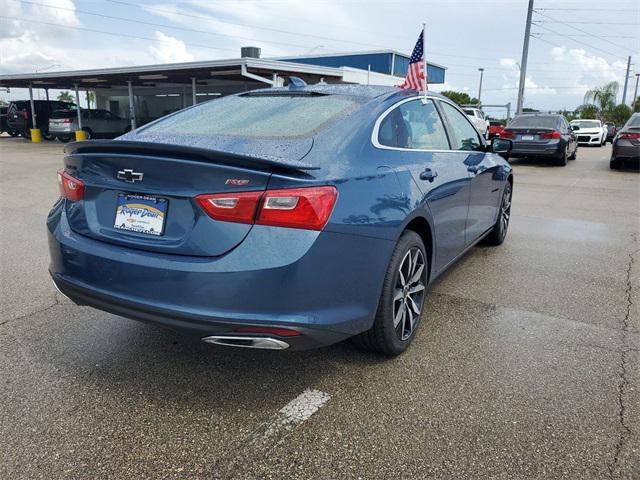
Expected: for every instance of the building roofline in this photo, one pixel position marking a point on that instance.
(345, 54)
(272, 64)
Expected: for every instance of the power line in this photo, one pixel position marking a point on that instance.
(591, 23)
(137, 37)
(584, 31)
(576, 41)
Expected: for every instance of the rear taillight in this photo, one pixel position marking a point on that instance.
(66, 120)
(507, 134)
(550, 135)
(70, 187)
(629, 136)
(307, 208)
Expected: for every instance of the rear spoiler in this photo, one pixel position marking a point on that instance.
(184, 152)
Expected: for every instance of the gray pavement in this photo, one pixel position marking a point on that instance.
(527, 364)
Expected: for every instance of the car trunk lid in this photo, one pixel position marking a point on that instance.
(145, 185)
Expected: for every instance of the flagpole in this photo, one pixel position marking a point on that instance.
(424, 55)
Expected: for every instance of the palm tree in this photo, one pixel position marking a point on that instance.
(65, 97)
(91, 98)
(604, 97)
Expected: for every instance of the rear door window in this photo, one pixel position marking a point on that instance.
(413, 125)
(465, 136)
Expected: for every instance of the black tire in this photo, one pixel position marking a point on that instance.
(13, 133)
(499, 231)
(573, 155)
(64, 139)
(615, 164)
(562, 160)
(385, 337)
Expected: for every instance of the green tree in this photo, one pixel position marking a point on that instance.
(461, 98)
(65, 97)
(91, 98)
(529, 110)
(603, 97)
(636, 105)
(587, 111)
(619, 114)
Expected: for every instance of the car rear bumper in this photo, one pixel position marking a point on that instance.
(522, 149)
(625, 150)
(324, 285)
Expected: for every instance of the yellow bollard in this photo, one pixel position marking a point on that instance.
(36, 136)
(81, 135)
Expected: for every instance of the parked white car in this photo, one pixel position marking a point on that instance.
(590, 132)
(478, 119)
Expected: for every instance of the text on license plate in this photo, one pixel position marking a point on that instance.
(527, 137)
(141, 213)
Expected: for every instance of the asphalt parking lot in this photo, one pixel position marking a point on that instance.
(527, 364)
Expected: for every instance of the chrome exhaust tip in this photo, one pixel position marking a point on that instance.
(266, 343)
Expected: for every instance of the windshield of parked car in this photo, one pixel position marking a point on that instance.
(257, 116)
(535, 121)
(586, 123)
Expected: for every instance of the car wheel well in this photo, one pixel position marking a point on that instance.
(422, 228)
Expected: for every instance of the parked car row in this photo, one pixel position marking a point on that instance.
(57, 119)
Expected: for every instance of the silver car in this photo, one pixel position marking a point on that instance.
(96, 123)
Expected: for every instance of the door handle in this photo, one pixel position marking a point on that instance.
(428, 174)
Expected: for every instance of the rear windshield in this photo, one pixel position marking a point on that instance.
(586, 123)
(257, 116)
(634, 121)
(534, 121)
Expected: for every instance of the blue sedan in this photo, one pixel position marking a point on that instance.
(281, 218)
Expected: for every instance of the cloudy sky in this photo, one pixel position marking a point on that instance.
(576, 44)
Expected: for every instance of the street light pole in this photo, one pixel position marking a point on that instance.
(481, 70)
(635, 92)
(525, 55)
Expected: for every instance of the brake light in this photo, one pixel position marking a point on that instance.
(507, 134)
(66, 120)
(70, 187)
(550, 135)
(307, 208)
(629, 136)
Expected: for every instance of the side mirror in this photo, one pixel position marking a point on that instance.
(575, 127)
(501, 146)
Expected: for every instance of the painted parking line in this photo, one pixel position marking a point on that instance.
(273, 432)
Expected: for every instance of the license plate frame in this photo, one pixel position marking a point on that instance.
(144, 214)
(528, 138)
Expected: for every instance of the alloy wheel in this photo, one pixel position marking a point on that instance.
(505, 209)
(409, 293)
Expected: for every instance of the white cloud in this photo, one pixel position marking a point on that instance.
(169, 49)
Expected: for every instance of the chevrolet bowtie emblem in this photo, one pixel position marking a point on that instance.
(128, 175)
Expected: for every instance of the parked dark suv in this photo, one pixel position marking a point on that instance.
(542, 136)
(19, 116)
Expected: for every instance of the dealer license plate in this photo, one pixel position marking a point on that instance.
(141, 213)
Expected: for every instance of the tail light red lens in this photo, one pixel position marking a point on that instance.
(70, 187)
(231, 207)
(550, 135)
(306, 208)
(507, 134)
(66, 120)
(629, 136)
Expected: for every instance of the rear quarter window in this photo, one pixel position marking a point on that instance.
(258, 116)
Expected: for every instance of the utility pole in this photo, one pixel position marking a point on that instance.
(635, 93)
(626, 81)
(481, 70)
(525, 55)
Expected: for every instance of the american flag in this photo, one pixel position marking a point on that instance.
(415, 74)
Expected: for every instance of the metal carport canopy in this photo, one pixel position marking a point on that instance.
(176, 73)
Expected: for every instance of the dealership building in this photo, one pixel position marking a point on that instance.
(143, 93)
